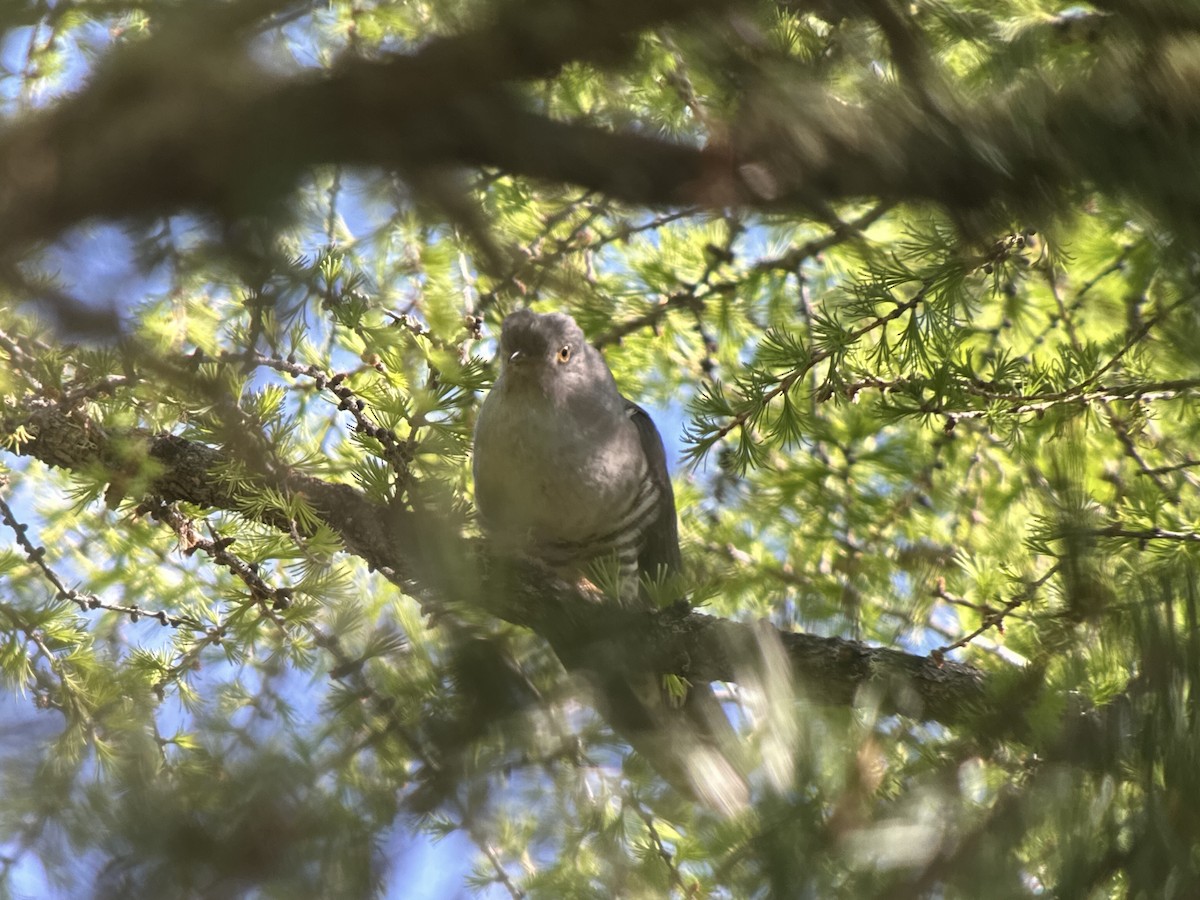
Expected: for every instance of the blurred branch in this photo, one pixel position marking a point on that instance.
(188, 120)
(1143, 535)
(794, 257)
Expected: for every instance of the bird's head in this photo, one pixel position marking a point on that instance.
(549, 353)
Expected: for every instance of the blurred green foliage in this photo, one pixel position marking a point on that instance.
(957, 416)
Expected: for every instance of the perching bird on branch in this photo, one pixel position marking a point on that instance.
(570, 472)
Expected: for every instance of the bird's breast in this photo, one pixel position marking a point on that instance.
(558, 477)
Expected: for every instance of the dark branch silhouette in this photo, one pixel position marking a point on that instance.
(186, 119)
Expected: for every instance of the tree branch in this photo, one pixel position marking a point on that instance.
(186, 119)
(585, 630)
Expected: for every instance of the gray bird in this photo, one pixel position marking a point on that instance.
(570, 472)
(566, 469)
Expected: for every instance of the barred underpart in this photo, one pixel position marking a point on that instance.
(624, 542)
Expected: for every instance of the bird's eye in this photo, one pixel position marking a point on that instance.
(564, 354)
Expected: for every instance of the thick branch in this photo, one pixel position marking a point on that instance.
(585, 631)
(187, 120)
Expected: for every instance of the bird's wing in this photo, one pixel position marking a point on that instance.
(661, 549)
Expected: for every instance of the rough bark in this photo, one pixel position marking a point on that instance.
(586, 631)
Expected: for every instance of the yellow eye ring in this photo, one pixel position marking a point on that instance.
(564, 354)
